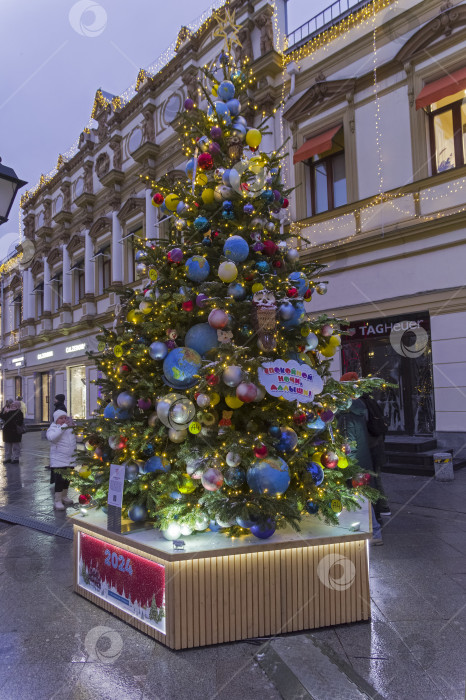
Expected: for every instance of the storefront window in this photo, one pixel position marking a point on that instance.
(77, 391)
(399, 350)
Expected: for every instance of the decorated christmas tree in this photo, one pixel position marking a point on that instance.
(216, 392)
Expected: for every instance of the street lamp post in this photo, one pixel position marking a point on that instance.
(9, 185)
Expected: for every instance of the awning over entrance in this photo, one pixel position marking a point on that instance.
(444, 87)
(318, 144)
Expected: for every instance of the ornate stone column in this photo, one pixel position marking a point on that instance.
(89, 265)
(26, 292)
(66, 277)
(47, 288)
(117, 250)
(151, 217)
(30, 305)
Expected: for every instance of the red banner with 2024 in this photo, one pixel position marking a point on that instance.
(125, 580)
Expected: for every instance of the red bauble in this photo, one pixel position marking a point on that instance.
(157, 198)
(261, 451)
(285, 203)
(124, 369)
(270, 248)
(277, 263)
(212, 379)
(249, 276)
(329, 459)
(205, 161)
(246, 392)
(84, 499)
(360, 480)
(308, 294)
(216, 234)
(188, 305)
(292, 292)
(299, 418)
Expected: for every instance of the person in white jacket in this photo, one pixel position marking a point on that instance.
(62, 455)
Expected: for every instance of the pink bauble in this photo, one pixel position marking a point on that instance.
(246, 392)
(144, 404)
(261, 451)
(329, 459)
(212, 479)
(218, 318)
(327, 331)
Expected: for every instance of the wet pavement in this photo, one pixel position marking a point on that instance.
(56, 645)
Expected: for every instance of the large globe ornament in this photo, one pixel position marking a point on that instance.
(299, 280)
(237, 291)
(177, 436)
(264, 529)
(202, 338)
(288, 440)
(126, 400)
(197, 268)
(316, 471)
(212, 479)
(158, 350)
(137, 513)
(234, 477)
(269, 475)
(181, 413)
(131, 471)
(181, 367)
(236, 249)
(227, 271)
(156, 464)
(232, 375)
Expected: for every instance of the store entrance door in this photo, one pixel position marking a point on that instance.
(44, 397)
(398, 350)
(77, 391)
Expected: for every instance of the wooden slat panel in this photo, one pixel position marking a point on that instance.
(183, 584)
(202, 602)
(208, 600)
(267, 600)
(260, 593)
(195, 601)
(359, 578)
(255, 595)
(249, 600)
(272, 593)
(300, 598)
(220, 606)
(227, 563)
(305, 586)
(289, 590)
(366, 607)
(213, 598)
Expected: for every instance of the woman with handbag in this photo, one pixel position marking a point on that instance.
(62, 455)
(13, 429)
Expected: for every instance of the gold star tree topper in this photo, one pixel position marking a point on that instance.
(226, 25)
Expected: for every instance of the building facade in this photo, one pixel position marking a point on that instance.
(80, 225)
(377, 120)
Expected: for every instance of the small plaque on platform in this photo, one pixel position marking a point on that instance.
(114, 519)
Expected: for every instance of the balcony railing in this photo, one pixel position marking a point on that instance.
(322, 21)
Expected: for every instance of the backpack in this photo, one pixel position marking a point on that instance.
(376, 423)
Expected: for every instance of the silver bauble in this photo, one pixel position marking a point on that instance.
(233, 459)
(203, 401)
(152, 420)
(131, 471)
(260, 393)
(181, 412)
(256, 222)
(321, 288)
(158, 350)
(222, 192)
(232, 375)
(201, 522)
(163, 406)
(180, 224)
(286, 310)
(177, 435)
(140, 255)
(292, 255)
(270, 227)
(126, 401)
(226, 523)
(185, 530)
(141, 269)
(282, 245)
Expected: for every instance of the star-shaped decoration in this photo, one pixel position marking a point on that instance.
(225, 26)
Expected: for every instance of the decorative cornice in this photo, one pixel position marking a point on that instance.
(103, 224)
(439, 27)
(320, 92)
(132, 206)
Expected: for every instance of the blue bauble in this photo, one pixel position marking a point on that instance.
(181, 206)
(227, 205)
(237, 291)
(238, 76)
(110, 411)
(240, 121)
(236, 249)
(148, 450)
(140, 255)
(275, 431)
(229, 215)
(226, 178)
(246, 523)
(201, 224)
(300, 281)
(288, 440)
(317, 424)
(262, 266)
(137, 514)
(312, 341)
(234, 477)
(239, 130)
(197, 268)
(126, 400)
(201, 337)
(131, 472)
(158, 350)
(248, 209)
(234, 106)
(312, 508)
(267, 196)
(122, 414)
(226, 90)
(176, 495)
(156, 464)
(189, 170)
(269, 475)
(181, 367)
(316, 471)
(298, 317)
(213, 526)
(223, 112)
(264, 530)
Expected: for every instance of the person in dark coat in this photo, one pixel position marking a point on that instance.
(59, 403)
(353, 424)
(13, 422)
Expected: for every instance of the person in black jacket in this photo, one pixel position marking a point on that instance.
(59, 403)
(13, 428)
